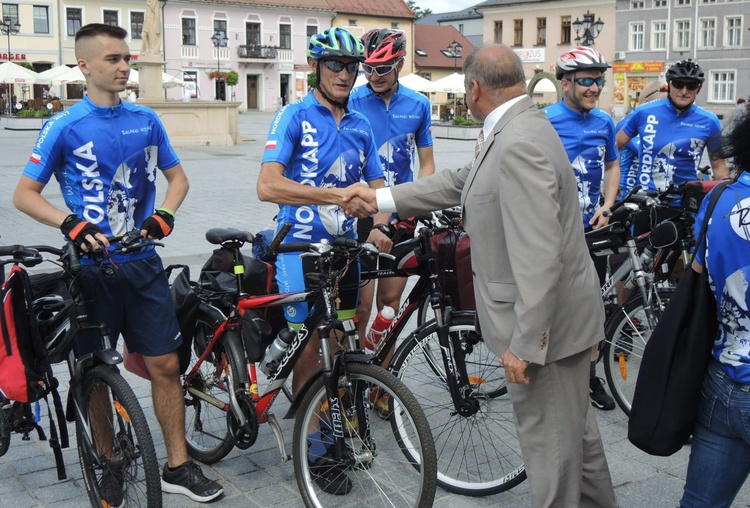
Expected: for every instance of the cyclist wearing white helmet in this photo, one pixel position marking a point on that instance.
(674, 132)
(588, 135)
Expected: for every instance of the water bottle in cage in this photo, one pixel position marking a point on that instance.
(382, 321)
(276, 350)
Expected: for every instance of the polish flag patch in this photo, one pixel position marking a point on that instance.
(36, 158)
(271, 144)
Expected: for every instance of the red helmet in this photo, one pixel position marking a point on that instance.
(383, 46)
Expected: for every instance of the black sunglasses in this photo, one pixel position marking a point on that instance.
(338, 66)
(690, 85)
(590, 81)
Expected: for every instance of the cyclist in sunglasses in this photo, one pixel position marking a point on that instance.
(315, 148)
(675, 132)
(403, 117)
(588, 135)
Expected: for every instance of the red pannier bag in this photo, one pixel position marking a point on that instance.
(453, 259)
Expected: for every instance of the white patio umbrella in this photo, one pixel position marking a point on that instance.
(452, 83)
(54, 72)
(360, 81)
(168, 81)
(11, 73)
(73, 76)
(417, 82)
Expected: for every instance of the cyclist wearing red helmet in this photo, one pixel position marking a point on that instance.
(403, 117)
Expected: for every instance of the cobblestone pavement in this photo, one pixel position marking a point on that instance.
(223, 194)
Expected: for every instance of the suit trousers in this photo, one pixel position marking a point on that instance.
(559, 436)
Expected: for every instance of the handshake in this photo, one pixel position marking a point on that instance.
(357, 200)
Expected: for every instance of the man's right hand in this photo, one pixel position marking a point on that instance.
(359, 201)
(83, 233)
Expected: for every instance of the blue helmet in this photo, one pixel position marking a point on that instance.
(335, 42)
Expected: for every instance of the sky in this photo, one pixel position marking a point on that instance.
(438, 6)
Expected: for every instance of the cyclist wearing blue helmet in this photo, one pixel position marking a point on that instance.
(315, 148)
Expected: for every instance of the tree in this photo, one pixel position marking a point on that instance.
(417, 10)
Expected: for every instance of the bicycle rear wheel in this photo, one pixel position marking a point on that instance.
(478, 455)
(4, 426)
(207, 431)
(118, 459)
(627, 333)
(376, 468)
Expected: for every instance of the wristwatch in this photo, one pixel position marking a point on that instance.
(383, 229)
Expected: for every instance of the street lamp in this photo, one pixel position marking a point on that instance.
(453, 51)
(591, 29)
(220, 41)
(8, 27)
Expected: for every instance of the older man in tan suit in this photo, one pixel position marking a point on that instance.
(537, 291)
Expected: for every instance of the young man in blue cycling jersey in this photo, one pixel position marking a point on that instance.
(404, 120)
(588, 135)
(315, 148)
(674, 132)
(105, 154)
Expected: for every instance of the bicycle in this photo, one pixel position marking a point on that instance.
(629, 326)
(115, 447)
(391, 462)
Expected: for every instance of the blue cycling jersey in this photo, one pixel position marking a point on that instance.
(671, 144)
(589, 140)
(727, 259)
(402, 127)
(315, 151)
(105, 159)
(628, 161)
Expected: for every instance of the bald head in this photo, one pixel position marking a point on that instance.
(495, 67)
(86, 38)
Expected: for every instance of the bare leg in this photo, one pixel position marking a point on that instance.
(169, 405)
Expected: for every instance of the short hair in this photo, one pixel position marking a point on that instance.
(493, 74)
(736, 145)
(740, 101)
(94, 29)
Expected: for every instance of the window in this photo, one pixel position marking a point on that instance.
(660, 3)
(682, 3)
(285, 36)
(220, 25)
(636, 4)
(188, 31)
(721, 86)
(10, 12)
(658, 35)
(518, 32)
(682, 34)
(498, 32)
(111, 18)
(41, 19)
(73, 17)
(733, 35)
(565, 30)
(352, 22)
(541, 31)
(460, 28)
(394, 26)
(252, 34)
(708, 1)
(707, 37)
(636, 36)
(136, 24)
(310, 30)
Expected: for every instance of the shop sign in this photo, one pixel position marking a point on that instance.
(633, 67)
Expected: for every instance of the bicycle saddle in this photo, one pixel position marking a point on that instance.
(218, 236)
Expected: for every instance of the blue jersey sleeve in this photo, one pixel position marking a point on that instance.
(283, 135)
(48, 154)
(167, 156)
(713, 144)
(611, 153)
(424, 134)
(630, 124)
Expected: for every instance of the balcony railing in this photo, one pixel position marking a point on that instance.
(255, 51)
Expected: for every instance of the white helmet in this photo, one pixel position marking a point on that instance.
(582, 57)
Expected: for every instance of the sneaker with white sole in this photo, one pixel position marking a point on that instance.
(188, 479)
(599, 397)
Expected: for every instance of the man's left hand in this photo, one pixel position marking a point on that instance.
(380, 240)
(159, 225)
(599, 220)
(515, 368)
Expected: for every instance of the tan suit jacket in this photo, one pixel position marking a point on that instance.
(535, 284)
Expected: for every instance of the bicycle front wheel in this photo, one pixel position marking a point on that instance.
(478, 455)
(389, 457)
(117, 458)
(208, 395)
(4, 426)
(627, 333)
